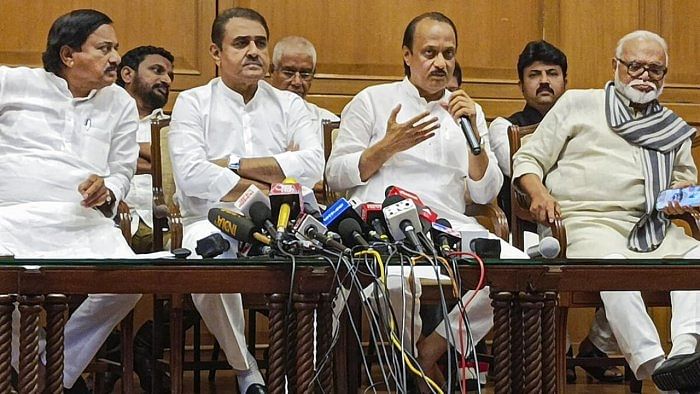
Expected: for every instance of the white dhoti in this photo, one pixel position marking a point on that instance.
(67, 230)
(222, 313)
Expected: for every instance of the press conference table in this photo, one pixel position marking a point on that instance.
(531, 287)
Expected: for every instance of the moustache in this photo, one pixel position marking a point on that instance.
(438, 74)
(162, 87)
(253, 63)
(544, 88)
(639, 82)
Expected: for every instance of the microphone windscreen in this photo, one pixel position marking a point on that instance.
(549, 247)
(444, 222)
(259, 213)
(346, 228)
(387, 190)
(391, 200)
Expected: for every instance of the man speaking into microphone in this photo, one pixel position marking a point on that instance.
(408, 134)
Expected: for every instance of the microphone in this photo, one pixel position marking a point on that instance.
(285, 202)
(251, 195)
(426, 214)
(445, 237)
(350, 230)
(260, 214)
(466, 127)
(548, 248)
(212, 246)
(340, 210)
(371, 212)
(486, 247)
(402, 219)
(236, 226)
(308, 227)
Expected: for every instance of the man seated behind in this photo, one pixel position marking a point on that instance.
(604, 155)
(242, 122)
(406, 134)
(69, 151)
(146, 72)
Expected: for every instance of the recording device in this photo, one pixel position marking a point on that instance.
(308, 227)
(310, 204)
(446, 239)
(285, 202)
(466, 127)
(351, 232)
(212, 246)
(402, 219)
(236, 226)
(486, 247)
(426, 214)
(468, 235)
(260, 214)
(548, 248)
(251, 195)
(688, 196)
(340, 210)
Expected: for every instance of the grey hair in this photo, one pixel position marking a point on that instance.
(641, 35)
(296, 44)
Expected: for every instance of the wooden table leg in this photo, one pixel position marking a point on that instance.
(290, 341)
(561, 316)
(324, 335)
(176, 343)
(7, 306)
(304, 305)
(549, 344)
(276, 303)
(501, 340)
(532, 304)
(29, 309)
(56, 306)
(127, 338)
(516, 346)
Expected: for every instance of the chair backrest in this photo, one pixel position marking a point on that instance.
(166, 213)
(520, 202)
(330, 133)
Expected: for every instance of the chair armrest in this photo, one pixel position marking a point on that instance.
(124, 214)
(176, 229)
(491, 217)
(692, 220)
(521, 212)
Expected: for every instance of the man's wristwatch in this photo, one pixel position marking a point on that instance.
(234, 163)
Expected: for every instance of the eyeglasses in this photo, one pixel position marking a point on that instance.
(636, 69)
(290, 73)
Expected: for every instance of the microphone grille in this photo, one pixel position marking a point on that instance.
(549, 247)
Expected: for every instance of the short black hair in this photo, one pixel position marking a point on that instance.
(541, 51)
(218, 28)
(71, 29)
(458, 73)
(411, 31)
(134, 57)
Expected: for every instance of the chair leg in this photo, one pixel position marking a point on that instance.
(197, 356)
(214, 357)
(159, 315)
(561, 317)
(176, 343)
(127, 339)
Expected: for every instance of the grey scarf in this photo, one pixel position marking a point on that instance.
(660, 133)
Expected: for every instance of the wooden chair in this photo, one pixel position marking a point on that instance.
(330, 132)
(521, 214)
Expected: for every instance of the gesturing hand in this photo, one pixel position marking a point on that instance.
(402, 136)
(94, 192)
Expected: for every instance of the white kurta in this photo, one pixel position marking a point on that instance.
(50, 143)
(498, 137)
(596, 176)
(436, 170)
(212, 122)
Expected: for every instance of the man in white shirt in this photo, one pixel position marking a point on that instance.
(146, 72)
(293, 68)
(406, 134)
(226, 135)
(598, 160)
(69, 150)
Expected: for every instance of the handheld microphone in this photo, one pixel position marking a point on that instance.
(308, 227)
(260, 214)
(548, 248)
(350, 230)
(371, 212)
(236, 226)
(212, 246)
(466, 127)
(447, 239)
(285, 202)
(402, 219)
(251, 195)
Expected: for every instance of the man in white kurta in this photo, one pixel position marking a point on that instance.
(595, 180)
(435, 164)
(224, 136)
(59, 128)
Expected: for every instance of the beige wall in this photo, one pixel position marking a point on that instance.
(359, 41)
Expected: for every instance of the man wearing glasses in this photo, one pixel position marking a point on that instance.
(293, 68)
(606, 155)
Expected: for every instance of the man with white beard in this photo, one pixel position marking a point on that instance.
(606, 155)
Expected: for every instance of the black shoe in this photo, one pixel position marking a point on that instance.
(680, 373)
(79, 387)
(589, 350)
(570, 369)
(256, 388)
